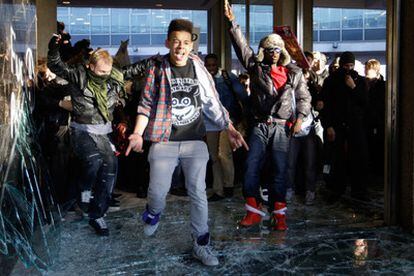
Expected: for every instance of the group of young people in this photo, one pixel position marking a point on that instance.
(179, 106)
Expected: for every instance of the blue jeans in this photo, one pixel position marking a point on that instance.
(98, 165)
(273, 138)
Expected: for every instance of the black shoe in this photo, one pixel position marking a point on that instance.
(84, 206)
(178, 192)
(141, 193)
(114, 202)
(215, 197)
(100, 227)
(114, 205)
(228, 191)
(114, 195)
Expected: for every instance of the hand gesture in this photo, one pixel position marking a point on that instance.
(350, 82)
(296, 127)
(228, 11)
(236, 139)
(135, 143)
(66, 105)
(54, 41)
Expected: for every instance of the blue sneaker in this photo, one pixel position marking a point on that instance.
(151, 222)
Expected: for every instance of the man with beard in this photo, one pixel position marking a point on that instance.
(178, 105)
(346, 101)
(276, 84)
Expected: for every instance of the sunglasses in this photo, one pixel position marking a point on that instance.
(273, 50)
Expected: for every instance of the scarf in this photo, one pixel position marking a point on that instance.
(279, 76)
(98, 85)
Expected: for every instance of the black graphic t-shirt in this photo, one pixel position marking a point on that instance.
(187, 116)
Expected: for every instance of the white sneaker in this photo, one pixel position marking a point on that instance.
(204, 254)
(290, 193)
(264, 194)
(149, 229)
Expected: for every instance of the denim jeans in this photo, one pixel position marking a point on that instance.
(164, 158)
(98, 166)
(264, 137)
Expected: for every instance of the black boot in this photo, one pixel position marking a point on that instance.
(228, 192)
(215, 197)
(100, 227)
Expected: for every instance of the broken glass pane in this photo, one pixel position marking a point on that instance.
(28, 214)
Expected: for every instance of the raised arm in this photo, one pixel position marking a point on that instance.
(140, 68)
(57, 66)
(244, 53)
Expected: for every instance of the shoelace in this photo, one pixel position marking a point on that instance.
(207, 251)
(101, 223)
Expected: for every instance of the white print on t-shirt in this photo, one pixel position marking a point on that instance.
(185, 106)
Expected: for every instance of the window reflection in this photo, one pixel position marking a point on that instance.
(329, 18)
(352, 18)
(261, 24)
(334, 24)
(362, 31)
(146, 29)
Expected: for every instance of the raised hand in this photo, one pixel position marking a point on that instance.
(228, 11)
(54, 41)
(236, 139)
(350, 82)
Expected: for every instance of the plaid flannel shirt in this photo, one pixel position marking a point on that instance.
(156, 101)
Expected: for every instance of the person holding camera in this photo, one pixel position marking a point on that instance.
(346, 102)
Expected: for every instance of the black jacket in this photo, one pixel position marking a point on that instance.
(85, 108)
(376, 97)
(315, 84)
(344, 105)
(265, 100)
(48, 96)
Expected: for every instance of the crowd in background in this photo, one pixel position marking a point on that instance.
(344, 144)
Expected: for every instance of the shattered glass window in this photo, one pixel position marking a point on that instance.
(28, 214)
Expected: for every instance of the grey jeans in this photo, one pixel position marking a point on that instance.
(193, 156)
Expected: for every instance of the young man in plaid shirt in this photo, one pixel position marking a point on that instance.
(178, 105)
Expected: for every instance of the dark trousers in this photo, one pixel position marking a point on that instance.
(375, 136)
(273, 138)
(350, 159)
(58, 152)
(98, 167)
(133, 172)
(304, 147)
